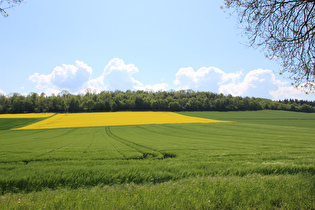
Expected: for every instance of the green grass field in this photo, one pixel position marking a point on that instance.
(264, 160)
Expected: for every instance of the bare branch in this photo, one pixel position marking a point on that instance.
(285, 29)
(8, 4)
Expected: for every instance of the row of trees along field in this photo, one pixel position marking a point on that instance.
(183, 100)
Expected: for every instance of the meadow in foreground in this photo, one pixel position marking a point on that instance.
(263, 160)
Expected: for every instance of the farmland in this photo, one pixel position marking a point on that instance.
(265, 159)
(114, 119)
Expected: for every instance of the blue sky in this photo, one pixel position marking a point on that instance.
(52, 45)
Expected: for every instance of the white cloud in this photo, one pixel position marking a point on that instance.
(76, 78)
(119, 76)
(258, 83)
(119, 65)
(116, 76)
(291, 92)
(204, 78)
(43, 81)
(263, 83)
(69, 77)
(153, 88)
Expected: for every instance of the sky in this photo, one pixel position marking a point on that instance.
(54, 45)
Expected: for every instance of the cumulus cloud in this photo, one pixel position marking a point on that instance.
(204, 78)
(68, 77)
(119, 76)
(287, 92)
(116, 76)
(76, 78)
(43, 81)
(258, 83)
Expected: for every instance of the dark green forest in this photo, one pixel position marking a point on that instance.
(182, 100)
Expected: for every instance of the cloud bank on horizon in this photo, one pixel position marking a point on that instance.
(120, 76)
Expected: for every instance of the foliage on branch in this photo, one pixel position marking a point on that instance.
(286, 30)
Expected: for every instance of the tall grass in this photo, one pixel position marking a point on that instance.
(219, 192)
(263, 160)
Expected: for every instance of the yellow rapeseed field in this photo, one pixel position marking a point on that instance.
(28, 115)
(114, 119)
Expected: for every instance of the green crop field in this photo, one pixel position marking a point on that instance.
(264, 160)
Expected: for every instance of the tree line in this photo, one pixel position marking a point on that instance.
(182, 100)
